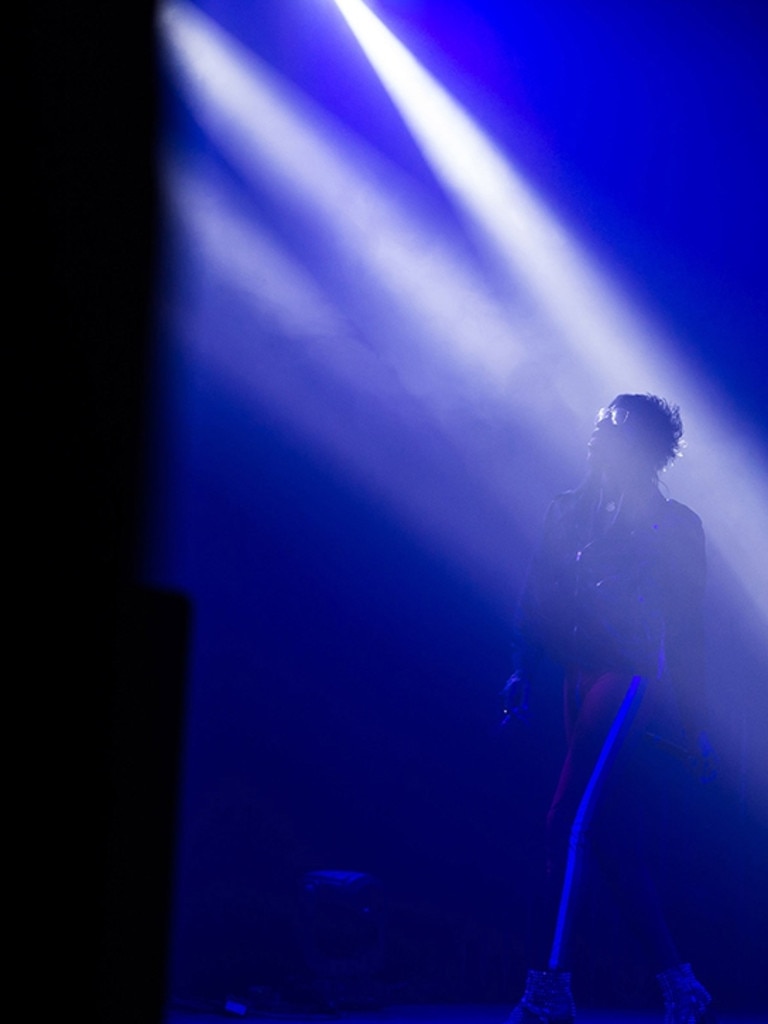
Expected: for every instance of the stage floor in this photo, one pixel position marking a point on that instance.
(440, 1015)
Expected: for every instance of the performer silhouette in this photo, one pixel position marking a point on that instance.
(614, 595)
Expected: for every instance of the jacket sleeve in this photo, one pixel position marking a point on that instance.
(684, 640)
(543, 601)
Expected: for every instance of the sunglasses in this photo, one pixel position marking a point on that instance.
(615, 414)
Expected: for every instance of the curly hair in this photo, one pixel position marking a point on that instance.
(661, 423)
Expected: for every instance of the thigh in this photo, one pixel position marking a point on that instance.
(594, 702)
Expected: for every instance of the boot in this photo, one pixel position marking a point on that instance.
(685, 999)
(547, 999)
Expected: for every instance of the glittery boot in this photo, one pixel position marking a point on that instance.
(685, 999)
(547, 999)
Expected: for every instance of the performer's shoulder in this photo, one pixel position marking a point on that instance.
(681, 516)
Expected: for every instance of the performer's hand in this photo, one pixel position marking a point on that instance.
(704, 760)
(514, 700)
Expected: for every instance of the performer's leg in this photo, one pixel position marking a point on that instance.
(601, 719)
(587, 722)
(600, 699)
(619, 848)
(619, 853)
(615, 815)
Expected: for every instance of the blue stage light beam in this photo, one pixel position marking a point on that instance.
(260, 122)
(401, 365)
(620, 347)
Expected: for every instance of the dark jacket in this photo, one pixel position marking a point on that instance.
(617, 589)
